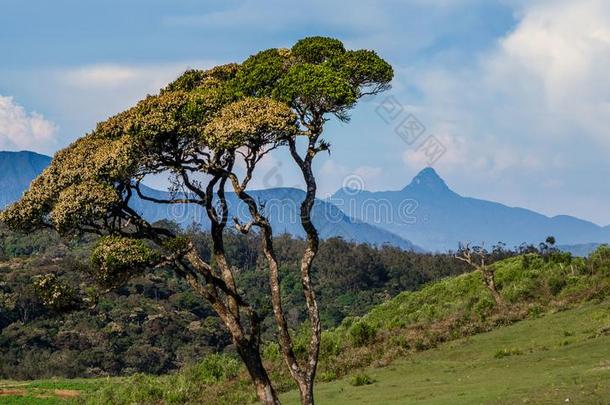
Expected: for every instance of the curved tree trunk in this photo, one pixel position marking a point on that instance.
(284, 338)
(251, 357)
(313, 243)
(247, 345)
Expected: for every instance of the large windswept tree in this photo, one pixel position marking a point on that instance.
(199, 129)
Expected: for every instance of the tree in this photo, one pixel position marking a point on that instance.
(199, 129)
(317, 78)
(478, 257)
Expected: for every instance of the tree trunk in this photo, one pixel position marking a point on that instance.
(299, 374)
(490, 282)
(313, 244)
(306, 393)
(252, 359)
(247, 347)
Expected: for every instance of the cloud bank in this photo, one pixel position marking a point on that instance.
(21, 130)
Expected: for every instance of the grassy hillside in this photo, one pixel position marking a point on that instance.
(156, 324)
(447, 342)
(549, 359)
(560, 356)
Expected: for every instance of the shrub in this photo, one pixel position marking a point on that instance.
(215, 368)
(360, 379)
(331, 344)
(271, 351)
(556, 283)
(508, 352)
(484, 307)
(599, 260)
(362, 333)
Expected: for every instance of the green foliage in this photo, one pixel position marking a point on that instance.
(155, 323)
(316, 87)
(484, 306)
(83, 203)
(317, 49)
(362, 333)
(185, 387)
(259, 74)
(251, 122)
(513, 351)
(195, 79)
(331, 345)
(600, 258)
(214, 368)
(360, 379)
(363, 69)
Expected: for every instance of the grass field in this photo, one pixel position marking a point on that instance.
(561, 357)
(47, 392)
(558, 358)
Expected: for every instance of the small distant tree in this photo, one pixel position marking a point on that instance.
(199, 129)
(479, 259)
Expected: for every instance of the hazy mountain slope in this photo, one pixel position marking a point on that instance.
(282, 207)
(17, 170)
(432, 216)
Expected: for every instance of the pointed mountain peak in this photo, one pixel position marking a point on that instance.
(428, 179)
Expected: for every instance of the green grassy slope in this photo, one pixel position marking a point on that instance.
(446, 343)
(551, 359)
(558, 356)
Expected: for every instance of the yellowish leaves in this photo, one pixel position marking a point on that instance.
(83, 203)
(115, 259)
(251, 122)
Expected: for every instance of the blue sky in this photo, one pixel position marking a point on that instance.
(517, 92)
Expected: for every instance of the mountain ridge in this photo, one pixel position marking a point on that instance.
(426, 213)
(441, 218)
(16, 170)
(20, 168)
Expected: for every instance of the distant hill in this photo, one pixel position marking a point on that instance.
(282, 207)
(580, 250)
(431, 215)
(18, 169)
(426, 213)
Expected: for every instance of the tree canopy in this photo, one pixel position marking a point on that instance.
(200, 118)
(205, 123)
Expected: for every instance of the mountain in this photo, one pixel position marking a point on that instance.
(18, 169)
(282, 206)
(580, 250)
(431, 215)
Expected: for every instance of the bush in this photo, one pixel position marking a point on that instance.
(214, 368)
(508, 352)
(331, 344)
(556, 283)
(360, 379)
(271, 351)
(362, 333)
(599, 260)
(484, 307)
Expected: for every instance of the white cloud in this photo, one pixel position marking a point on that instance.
(524, 120)
(112, 77)
(107, 75)
(22, 130)
(519, 105)
(556, 62)
(81, 96)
